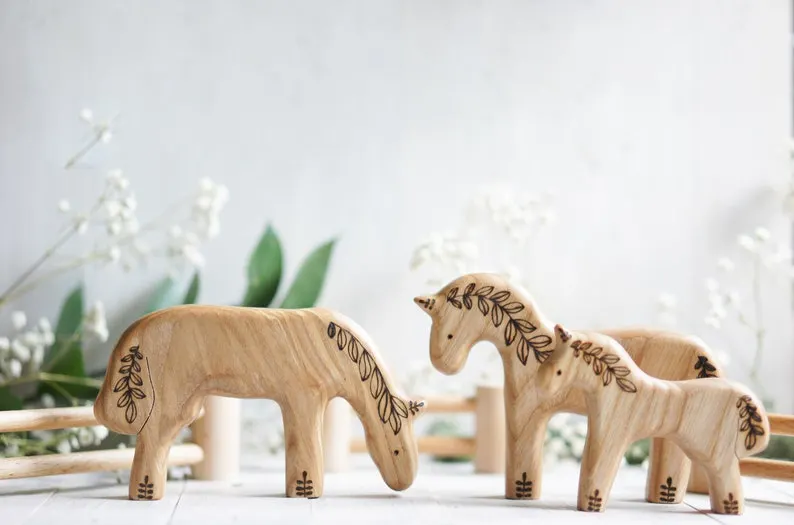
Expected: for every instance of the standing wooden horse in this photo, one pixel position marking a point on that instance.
(714, 421)
(167, 362)
(484, 307)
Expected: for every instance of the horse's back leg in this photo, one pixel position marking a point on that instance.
(523, 475)
(668, 472)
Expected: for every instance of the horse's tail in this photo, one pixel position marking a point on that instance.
(127, 396)
(754, 431)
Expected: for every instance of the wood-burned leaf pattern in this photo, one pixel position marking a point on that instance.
(603, 365)
(499, 307)
(145, 489)
(391, 409)
(751, 421)
(129, 384)
(705, 368)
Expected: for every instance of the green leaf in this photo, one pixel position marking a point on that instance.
(65, 356)
(9, 401)
(165, 295)
(71, 316)
(193, 290)
(309, 281)
(264, 270)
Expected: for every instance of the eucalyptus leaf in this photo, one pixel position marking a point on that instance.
(9, 401)
(165, 295)
(193, 290)
(264, 270)
(308, 283)
(71, 316)
(65, 356)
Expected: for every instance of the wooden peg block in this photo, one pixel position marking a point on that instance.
(167, 363)
(714, 421)
(486, 307)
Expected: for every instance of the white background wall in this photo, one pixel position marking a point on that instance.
(662, 125)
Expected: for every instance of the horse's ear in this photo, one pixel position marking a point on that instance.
(564, 334)
(425, 302)
(417, 408)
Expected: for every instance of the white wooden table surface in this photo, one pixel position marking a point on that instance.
(442, 494)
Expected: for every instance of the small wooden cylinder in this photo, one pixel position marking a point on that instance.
(336, 436)
(218, 434)
(489, 448)
(46, 419)
(698, 482)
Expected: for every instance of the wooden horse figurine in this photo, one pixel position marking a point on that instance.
(167, 362)
(485, 307)
(714, 421)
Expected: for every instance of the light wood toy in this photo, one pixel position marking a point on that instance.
(485, 307)
(166, 363)
(714, 421)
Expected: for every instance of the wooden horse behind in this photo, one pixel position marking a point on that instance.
(167, 362)
(485, 307)
(714, 421)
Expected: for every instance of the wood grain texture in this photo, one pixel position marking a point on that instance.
(713, 421)
(46, 419)
(93, 461)
(166, 363)
(486, 307)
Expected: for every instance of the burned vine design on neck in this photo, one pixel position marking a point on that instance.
(129, 383)
(391, 409)
(501, 308)
(751, 421)
(604, 365)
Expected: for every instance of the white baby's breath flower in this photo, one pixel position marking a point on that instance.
(19, 320)
(47, 401)
(100, 432)
(81, 223)
(85, 437)
(733, 298)
(105, 135)
(19, 350)
(114, 253)
(14, 368)
(712, 285)
(116, 180)
(577, 446)
(63, 447)
(725, 264)
(747, 242)
(95, 323)
(762, 234)
(64, 206)
(74, 443)
(5, 344)
(87, 116)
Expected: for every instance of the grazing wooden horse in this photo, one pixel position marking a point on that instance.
(167, 362)
(485, 307)
(714, 421)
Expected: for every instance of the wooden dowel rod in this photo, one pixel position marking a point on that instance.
(46, 419)
(781, 425)
(435, 445)
(449, 404)
(767, 468)
(76, 462)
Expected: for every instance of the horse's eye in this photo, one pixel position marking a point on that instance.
(396, 452)
(449, 336)
(559, 372)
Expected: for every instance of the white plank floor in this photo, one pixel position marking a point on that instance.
(441, 494)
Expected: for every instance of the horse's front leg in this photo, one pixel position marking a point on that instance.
(600, 463)
(149, 466)
(303, 425)
(523, 475)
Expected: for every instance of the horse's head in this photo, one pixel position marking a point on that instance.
(482, 307)
(395, 452)
(453, 332)
(559, 369)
